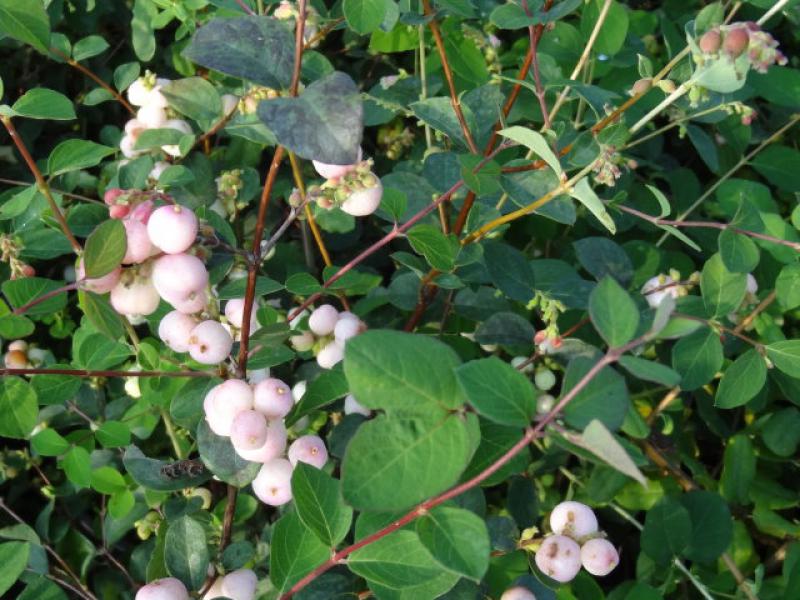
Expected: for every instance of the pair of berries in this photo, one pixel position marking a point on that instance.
(236, 585)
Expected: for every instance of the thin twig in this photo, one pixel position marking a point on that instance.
(94, 373)
(43, 186)
(59, 192)
(762, 306)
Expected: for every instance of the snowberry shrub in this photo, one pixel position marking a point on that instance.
(382, 299)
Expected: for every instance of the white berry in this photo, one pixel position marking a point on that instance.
(249, 430)
(559, 557)
(224, 401)
(599, 557)
(330, 355)
(655, 298)
(179, 276)
(518, 593)
(135, 296)
(234, 312)
(323, 320)
(240, 585)
(98, 285)
(273, 448)
(347, 328)
(363, 202)
(573, 519)
(151, 116)
(138, 247)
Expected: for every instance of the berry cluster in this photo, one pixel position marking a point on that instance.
(740, 39)
(236, 585)
(353, 188)
(21, 356)
(252, 416)
(575, 541)
(328, 332)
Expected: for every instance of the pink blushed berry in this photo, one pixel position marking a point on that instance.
(210, 343)
(363, 202)
(138, 247)
(272, 398)
(273, 484)
(172, 228)
(599, 557)
(273, 448)
(134, 295)
(168, 588)
(224, 402)
(175, 329)
(249, 430)
(234, 312)
(330, 355)
(518, 593)
(98, 285)
(309, 449)
(240, 585)
(559, 557)
(177, 276)
(574, 519)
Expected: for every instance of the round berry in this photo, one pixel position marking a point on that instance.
(249, 430)
(599, 557)
(138, 247)
(329, 171)
(544, 379)
(736, 41)
(173, 228)
(323, 320)
(363, 202)
(272, 398)
(330, 355)
(175, 329)
(142, 211)
(573, 519)
(98, 285)
(20, 345)
(302, 341)
(559, 557)
(273, 484)
(138, 92)
(240, 585)
(752, 284)
(710, 42)
(654, 298)
(168, 588)
(210, 343)
(224, 402)
(126, 146)
(111, 194)
(16, 359)
(273, 448)
(177, 276)
(152, 117)
(215, 591)
(518, 593)
(193, 303)
(544, 404)
(346, 328)
(309, 449)
(353, 407)
(234, 312)
(134, 295)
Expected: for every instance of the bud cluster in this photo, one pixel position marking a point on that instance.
(153, 113)
(10, 249)
(353, 188)
(741, 39)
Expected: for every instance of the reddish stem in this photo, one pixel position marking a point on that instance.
(46, 296)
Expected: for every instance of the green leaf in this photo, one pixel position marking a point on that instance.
(77, 464)
(613, 312)
(739, 253)
(496, 440)
(457, 539)
(439, 114)
(396, 561)
(41, 103)
(697, 358)
(600, 441)
(155, 138)
(781, 432)
(498, 391)
(21, 291)
(73, 155)
(113, 434)
(55, 389)
(260, 49)
(364, 16)
(27, 22)
(318, 500)
(603, 257)
(439, 250)
(325, 389)
(294, 552)
(88, 47)
(605, 398)
(48, 442)
(611, 36)
(648, 370)
(101, 314)
(786, 356)
(121, 504)
(742, 380)
(19, 410)
(584, 194)
(723, 291)
(324, 123)
(105, 248)
(739, 469)
(509, 270)
(195, 98)
(667, 531)
(222, 460)
(779, 164)
(149, 473)
(384, 371)
(536, 142)
(186, 552)
(13, 555)
(107, 480)
(393, 463)
(505, 328)
(787, 286)
(712, 525)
